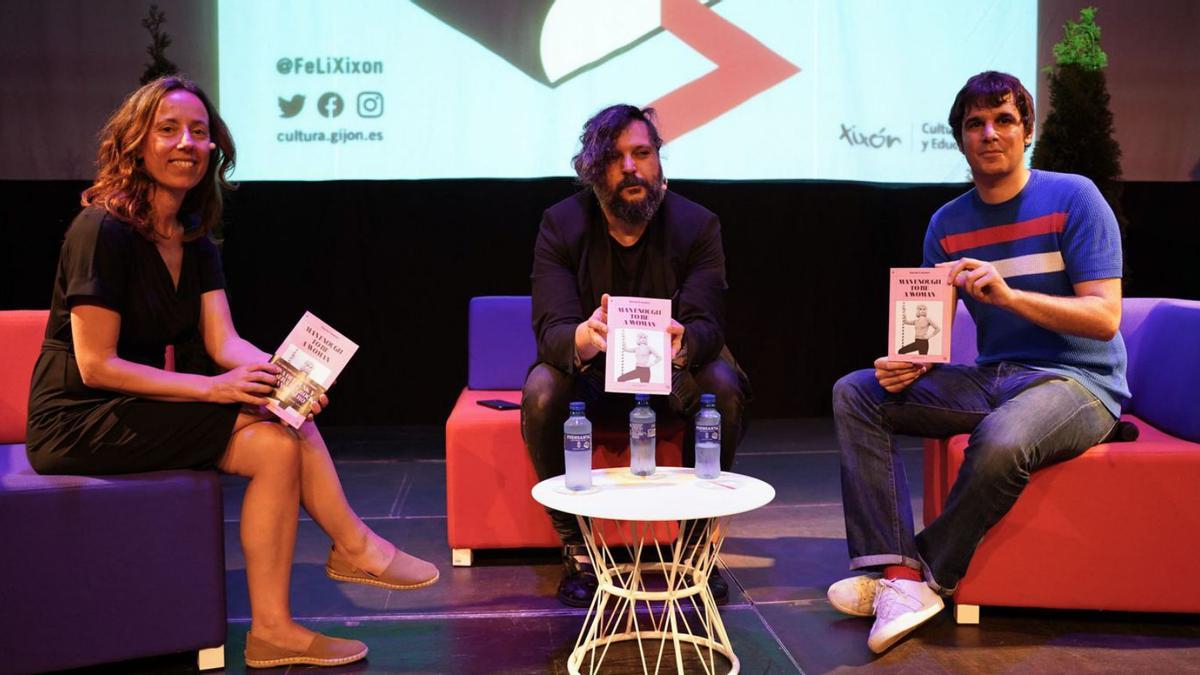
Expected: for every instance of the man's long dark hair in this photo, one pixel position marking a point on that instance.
(599, 138)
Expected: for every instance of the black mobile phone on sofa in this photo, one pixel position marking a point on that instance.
(499, 404)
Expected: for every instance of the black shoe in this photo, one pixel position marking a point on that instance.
(718, 586)
(578, 585)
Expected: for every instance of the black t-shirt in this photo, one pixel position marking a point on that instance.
(630, 265)
(104, 261)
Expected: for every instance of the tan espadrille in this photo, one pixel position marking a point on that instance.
(404, 573)
(324, 651)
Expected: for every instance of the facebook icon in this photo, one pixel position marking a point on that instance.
(330, 104)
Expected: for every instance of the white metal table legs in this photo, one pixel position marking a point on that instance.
(684, 563)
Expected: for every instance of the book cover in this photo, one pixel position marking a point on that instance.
(311, 357)
(920, 309)
(639, 347)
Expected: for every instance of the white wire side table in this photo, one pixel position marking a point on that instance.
(669, 525)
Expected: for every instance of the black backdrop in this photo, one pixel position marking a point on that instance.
(393, 263)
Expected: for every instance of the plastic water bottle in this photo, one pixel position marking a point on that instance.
(708, 438)
(641, 437)
(577, 448)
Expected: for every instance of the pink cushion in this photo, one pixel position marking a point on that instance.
(21, 333)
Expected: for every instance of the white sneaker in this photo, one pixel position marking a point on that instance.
(900, 606)
(854, 595)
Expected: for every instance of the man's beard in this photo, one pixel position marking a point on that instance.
(634, 212)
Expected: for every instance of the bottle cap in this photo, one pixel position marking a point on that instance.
(578, 406)
(641, 398)
(708, 399)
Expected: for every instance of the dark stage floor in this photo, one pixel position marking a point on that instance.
(500, 615)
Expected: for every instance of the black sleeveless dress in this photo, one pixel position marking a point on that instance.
(74, 429)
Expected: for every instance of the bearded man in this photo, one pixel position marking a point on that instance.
(624, 234)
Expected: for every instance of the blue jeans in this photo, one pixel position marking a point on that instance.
(1020, 420)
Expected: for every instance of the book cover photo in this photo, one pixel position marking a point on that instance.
(311, 357)
(920, 309)
(639, 347)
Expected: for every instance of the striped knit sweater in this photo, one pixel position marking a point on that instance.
(1058, 231)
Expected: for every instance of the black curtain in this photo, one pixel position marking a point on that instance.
(392, 264)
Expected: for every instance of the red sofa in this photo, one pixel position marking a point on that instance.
(98, 569)
(1115, 528)
(488, 472)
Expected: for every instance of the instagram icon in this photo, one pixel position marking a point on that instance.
(370, 104)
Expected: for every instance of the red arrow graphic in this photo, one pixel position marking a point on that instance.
(745, 68)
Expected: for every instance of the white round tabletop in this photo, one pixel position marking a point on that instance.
(672, 493)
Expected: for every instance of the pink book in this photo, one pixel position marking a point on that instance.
(920, 309)
(639, 347)
(311, 357)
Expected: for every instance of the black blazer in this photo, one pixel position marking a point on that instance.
(572, 269)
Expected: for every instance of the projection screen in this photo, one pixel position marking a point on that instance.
(746, 89)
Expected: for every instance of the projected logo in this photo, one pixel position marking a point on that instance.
(330, 104)
(555, 40)
(370, 104)
(291, 107)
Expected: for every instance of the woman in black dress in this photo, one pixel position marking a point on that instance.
(137, 273)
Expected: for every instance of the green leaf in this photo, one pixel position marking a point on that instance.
(1080, 44)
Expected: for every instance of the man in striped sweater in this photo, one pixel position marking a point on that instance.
(1036, 256)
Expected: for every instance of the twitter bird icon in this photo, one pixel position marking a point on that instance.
(291, 108)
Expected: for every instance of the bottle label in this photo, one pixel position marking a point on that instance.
(641, 432)
(577, 442)
(708, 434)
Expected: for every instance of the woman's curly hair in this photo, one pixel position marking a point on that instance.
(124, 188)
